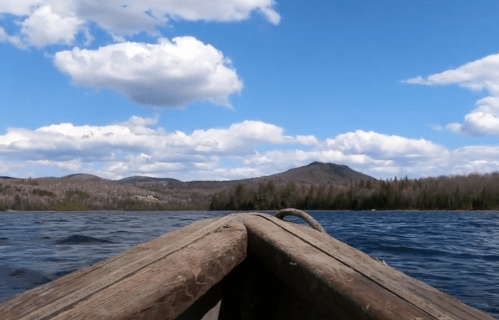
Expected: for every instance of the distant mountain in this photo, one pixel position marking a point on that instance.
(133, 193)
(314, 173)
(317, 173)
(148, 180)
(82, 176)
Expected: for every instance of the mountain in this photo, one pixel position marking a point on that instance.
(82, 176)
(148, 180)
(314, 173)
(95, 193)
(317, 173)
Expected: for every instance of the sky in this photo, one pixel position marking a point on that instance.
(234, 89)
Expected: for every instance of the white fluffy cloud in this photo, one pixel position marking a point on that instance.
(19, 7)
(169, 73)
(44, 27)
(46, 22)
(476, 75)
(482, 74)
(384, 146)
(124, 17)
(134, 147)
(369, 152)
(140, 147)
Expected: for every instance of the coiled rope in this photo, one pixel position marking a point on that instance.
(300, 214)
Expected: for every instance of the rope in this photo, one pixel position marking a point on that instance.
(300, 214)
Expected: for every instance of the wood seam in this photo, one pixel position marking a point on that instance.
(385, 284)
(39, 313)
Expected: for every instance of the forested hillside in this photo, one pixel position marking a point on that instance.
(323, 186)
(472, 192)
(81, 192)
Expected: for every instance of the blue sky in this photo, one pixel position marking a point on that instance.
(231, 89)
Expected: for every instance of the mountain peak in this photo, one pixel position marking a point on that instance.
(82, 176)
(315, 163)
(319, 173)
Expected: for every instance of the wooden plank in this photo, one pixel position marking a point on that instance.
(186, 261)
(343, 281)
(46, 294)
(404, 283)
(165, 289)
(337, 291)
(203, 307)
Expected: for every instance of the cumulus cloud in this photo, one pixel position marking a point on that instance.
(387, 156)
(369, 152)
(44, 27)
(483, 120)
(19, 7)
(135, 147)
(169, 73)
(482, 74)
(378, 144)
(46, 22)
(129, 17)
(139, 147)
(476, 75)
(382, 153)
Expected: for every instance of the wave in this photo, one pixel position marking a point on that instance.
(81, 239)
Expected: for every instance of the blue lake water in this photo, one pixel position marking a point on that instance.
(455, 252)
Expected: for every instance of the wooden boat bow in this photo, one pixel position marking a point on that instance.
(258, 266)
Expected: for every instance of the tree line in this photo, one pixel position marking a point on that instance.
(471, 192)
(14, 197)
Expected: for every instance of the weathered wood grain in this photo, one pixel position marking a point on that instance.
(46, 294)
(187, 262)
(343, 281)
(419, 290)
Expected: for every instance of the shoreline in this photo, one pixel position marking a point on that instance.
(242, 211)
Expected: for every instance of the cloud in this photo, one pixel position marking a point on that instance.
(417, 80)
(483, 120)
(390, 154)
(19, 7)
(169, 73)
(47, 22)
(477, 75)
(140, 147)
(382, 156)
(44, 27)
(383, 146)
(134, 147)
(368, 152)
(115, 15)
(482, 74)
(15, 40)
(436, 127)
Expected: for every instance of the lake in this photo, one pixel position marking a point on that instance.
(455, 252)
